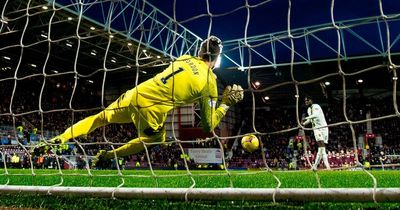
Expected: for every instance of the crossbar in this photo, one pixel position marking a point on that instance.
(284, 194)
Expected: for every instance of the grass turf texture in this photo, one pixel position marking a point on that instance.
(204, 179)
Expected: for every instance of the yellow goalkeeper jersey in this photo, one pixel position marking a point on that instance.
(186, 80)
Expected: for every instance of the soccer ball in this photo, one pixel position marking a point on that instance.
(250, 143)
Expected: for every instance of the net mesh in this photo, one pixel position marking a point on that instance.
(62, 62)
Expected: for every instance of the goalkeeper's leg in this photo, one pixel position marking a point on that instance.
(118, 112)
(132, 147)
(82, 127)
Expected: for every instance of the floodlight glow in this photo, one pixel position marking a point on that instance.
(92, 28)
(158, 56)
(218, 62)
(69, 18)
(129, 44)
(45, 7)
(111, 36)
(327, 83)
(266, 98)
(360, 81)
(257, 83)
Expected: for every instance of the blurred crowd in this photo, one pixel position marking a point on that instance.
(375, 142)
(24, 120)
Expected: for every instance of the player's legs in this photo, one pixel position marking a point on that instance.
(322, 154)
(137, 145)
(321, 136)
(145, 122)
(117, 112)
(317, 160)
(132, 147)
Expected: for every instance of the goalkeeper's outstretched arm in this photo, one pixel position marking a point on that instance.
(210, 115)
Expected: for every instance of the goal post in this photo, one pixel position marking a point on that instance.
(231, 194)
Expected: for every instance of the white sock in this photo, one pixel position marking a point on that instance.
(325, 157)
(317, 159)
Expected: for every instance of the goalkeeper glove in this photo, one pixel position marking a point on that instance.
(232, 95)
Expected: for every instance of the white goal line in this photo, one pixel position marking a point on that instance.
(266, 194)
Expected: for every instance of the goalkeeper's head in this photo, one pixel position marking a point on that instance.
(210, 51)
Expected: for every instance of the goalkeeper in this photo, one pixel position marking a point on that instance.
(188, 79)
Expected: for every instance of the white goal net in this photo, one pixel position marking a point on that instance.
(64, 60)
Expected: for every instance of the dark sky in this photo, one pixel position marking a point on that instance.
(269, 16)
(231, 20)
(264, 17)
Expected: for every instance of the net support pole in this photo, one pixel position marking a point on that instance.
(285, 194)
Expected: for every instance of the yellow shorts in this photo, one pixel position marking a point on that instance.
(122, 110)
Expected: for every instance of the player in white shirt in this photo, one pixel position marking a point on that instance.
(317, 119)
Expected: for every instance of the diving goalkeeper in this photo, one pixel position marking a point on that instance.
(186, 80)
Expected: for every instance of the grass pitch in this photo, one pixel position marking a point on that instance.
(180, 179)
